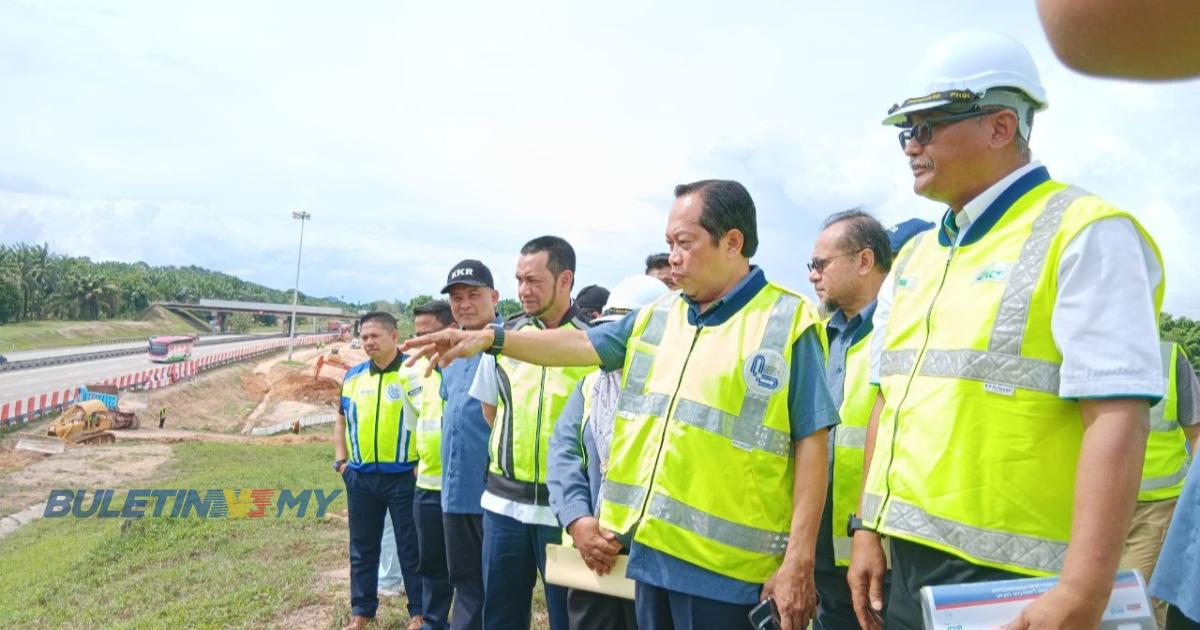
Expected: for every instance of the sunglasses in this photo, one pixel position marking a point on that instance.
(922, 132)
(818, 264)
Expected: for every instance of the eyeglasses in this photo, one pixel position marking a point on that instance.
(818, 264)
(922, 132)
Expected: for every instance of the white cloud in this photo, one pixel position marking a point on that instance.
(421, 134)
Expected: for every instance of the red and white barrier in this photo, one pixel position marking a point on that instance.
(31, 407)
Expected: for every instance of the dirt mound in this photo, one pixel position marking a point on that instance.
(301, 388)
(255, 385)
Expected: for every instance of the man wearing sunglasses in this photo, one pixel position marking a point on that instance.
(1016, 350)
(851, 257)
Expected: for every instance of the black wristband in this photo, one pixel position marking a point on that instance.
(337, 463)
(853, 524)
(497, 339)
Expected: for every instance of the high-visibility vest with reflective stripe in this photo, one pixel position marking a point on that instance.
(976, 453)
(429, 428)
(1167, 458)
(849, 439)
(380, 418)
(531, 399)
(701, 464)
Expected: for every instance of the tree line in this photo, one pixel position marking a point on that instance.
(36, 284)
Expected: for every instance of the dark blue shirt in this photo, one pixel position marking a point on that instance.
(810, 409)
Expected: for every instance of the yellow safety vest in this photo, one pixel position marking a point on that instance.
(701, 464)
(429, 428)
(849, 440)
(976, 453)
(380, 417)
(531, 399)
(1167, 458)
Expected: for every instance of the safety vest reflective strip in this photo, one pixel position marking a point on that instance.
(1004, 371)
(1167, 458)
(429, 430)
(750, 547)
(849, 440)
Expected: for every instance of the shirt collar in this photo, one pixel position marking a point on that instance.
(981, 213)
(730, 303)
(392, 367)
(858, 326)
(975, 207)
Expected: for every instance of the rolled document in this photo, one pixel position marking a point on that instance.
(564, 567)
(985, 605)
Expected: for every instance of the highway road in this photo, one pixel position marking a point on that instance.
(17, 383)
(24, 355)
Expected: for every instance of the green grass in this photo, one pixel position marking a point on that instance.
(55, 334)
(164, 572)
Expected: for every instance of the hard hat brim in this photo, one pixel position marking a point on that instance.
(899, 117)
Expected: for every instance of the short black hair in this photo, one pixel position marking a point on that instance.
(727, 206)
(438, 308)
(386, 319)
(863, 231)
(560, 256)
(657, 261)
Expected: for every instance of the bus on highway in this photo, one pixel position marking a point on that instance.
(171, 349)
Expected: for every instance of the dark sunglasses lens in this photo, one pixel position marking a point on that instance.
(922, 133)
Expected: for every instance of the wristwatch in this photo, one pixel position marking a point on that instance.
(853, 524)
(497, 339)
(338, 463)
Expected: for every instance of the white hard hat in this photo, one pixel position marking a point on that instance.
(630, 294)
(973, 67)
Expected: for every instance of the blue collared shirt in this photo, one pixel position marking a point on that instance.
(464, 440)
(810, 409)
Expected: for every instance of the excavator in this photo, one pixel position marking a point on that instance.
(334, 360)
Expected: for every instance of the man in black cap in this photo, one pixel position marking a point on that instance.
(464, 447)
(591, 300)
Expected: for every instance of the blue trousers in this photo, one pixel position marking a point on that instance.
(368, 496)
(436, 593)
(661, 609)
(513, 555)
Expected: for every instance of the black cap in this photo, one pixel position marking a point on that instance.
(470, 272)
(592, 298)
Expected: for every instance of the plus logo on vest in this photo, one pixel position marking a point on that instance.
(765, 372)
(393, 392)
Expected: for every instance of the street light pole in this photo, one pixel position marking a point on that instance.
(302, 216)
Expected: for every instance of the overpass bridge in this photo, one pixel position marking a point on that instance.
(207, 310)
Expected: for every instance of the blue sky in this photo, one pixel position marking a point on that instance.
(418, 134)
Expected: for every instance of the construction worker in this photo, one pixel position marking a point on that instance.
(523, 401)
(473, 299)
(371, 442)
(591, 300)
(1016, 350)
(579, 455)
(851, 257)
(436, 592)
(718, 467)
(1174, 428)
(659, 266)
